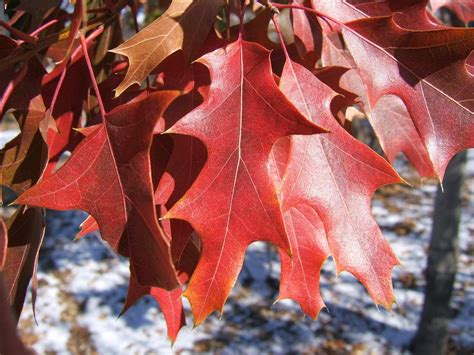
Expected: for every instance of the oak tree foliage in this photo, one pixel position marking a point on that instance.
(222, 123)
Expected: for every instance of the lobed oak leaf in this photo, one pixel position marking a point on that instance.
(108, 175)
(23, 160)
(184, 26)
(300, 274)
(187, 157)
(427, 70)
(170, 303)
(186, 162)
(389, 118)
(243, 115)
(410, 14)
(336, 175)
(67, 111)
(397, 133)
(25, 235)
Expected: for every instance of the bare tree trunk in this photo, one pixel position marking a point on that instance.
(432, 334)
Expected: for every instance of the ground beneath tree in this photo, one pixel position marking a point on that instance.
(82, 286)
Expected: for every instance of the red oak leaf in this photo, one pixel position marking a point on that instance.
(67, 110)
(427, 70)
(397, 133)
(410, 14)
(184, 26)
(25, 235)
(389, 118)
(23, 159)
(187, 157)
(300, 274)
(188, 161)
(244, 114)
(336, 176)
(108, 176)
(170, 303)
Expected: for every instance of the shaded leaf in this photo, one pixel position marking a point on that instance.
(308, 38)
(23, 159)
(25, 235)
(184, 26)
(170, 303)
(68, 108)
(108, 176)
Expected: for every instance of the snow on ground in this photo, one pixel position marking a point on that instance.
(82, 286)
(6, 136)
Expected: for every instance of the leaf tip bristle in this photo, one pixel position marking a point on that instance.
(172, 340)
(117, 92)
(403, 181)
(325, 308)
(388, 305)
(17, 201)
(169, 130)
(166, 216)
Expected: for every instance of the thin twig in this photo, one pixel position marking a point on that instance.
(24, 53)
(25, 37)
(11, 85)
(92, 75)
(44, 27)
(308, 9)
(277, 29)
(241, 18)
(74, 55)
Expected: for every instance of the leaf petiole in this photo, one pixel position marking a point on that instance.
(91, 73)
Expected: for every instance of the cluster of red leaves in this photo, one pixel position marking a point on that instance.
(183, 171)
